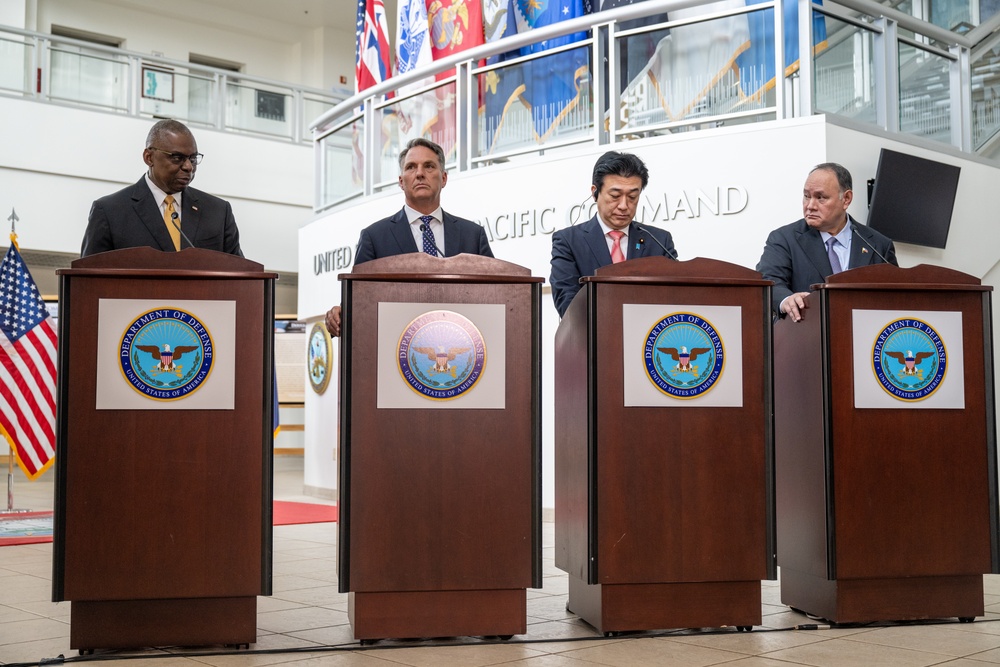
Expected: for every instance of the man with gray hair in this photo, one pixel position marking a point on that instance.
(161, 210)
(825, 241)
(422, 225)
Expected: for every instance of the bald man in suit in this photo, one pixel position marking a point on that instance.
(138, 215)
(799, 254)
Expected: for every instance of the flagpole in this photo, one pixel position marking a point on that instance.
(10, 450)
(10, 480)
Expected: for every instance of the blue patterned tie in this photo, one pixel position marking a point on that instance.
(428, 235)
(834, 260)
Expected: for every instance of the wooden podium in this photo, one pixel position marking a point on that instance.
(440, 507)
(664, 504)
(886, 497)
(162, 530)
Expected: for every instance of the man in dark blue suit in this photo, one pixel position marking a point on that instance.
(610, 236)
(150, 212)
(825, 241)
(422, 225)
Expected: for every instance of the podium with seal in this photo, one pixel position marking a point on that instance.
(162, 528)
(439, 446)
(885, 445)
(664, 478)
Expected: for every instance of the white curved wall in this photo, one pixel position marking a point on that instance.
(719, 192)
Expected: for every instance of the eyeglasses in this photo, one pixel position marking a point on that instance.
(180, 158)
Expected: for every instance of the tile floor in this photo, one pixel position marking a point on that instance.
(305, 621)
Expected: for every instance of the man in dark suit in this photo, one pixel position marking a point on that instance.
(824, 242)
(422, 225)
(150, 212)
(610, 236)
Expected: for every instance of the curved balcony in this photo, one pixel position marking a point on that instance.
(669, 66)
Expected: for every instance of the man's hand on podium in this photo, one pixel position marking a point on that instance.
(333, 321)
(792, 306)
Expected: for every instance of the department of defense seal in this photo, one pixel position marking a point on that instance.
(320, 358)
(166, 354)
(909, 359)
(683, 355)
(441, 355)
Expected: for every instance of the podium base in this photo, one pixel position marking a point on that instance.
(414, 614)
(120, 624)
(868, 600)
(630, 607)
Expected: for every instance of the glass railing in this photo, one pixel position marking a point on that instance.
(924, 93)
(844, 71)
(664, 67)
(73, 72)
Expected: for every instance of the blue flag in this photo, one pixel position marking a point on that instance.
(552, 84)
(500, 87)
(756, 64)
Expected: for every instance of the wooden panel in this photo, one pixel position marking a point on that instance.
(131, 624)
(911, 485)
(441, 499)
(438, 613)
(630, 607)
(800, 407)
(683, 491)
(571, 394)
(161, 503)
(870, 600)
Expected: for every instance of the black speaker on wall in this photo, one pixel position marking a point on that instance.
(913, 198)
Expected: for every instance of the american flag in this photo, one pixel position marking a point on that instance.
(27, 367)
(372, 63)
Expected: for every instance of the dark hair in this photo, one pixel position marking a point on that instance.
(426, 143)
(163, 127)
(844, 180)
(614, 163)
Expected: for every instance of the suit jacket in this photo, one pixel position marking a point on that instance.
(580, 250)
(392, 236)
(795, 257)
(130, 218)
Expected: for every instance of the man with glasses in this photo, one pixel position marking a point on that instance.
(161, 210)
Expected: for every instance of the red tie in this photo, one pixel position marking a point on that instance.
(616, 247)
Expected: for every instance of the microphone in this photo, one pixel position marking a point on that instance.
(857, 234)
(177, 225)
(667, 251)
(424, 228)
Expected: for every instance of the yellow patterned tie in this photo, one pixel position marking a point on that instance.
(168, 213)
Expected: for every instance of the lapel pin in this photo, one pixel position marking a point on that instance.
(864, 251)
(194, 208)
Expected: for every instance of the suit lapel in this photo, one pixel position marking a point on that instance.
(191, 215)
(402, 233)
(812, 245)
(635, 249)
(452, 236)
(593, 234)
(149, 214)
(860, 253)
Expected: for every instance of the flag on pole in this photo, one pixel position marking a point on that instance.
(757, 63)
(27, 367)
(372, 55)
(693, 72)
(501, 87)
(552, 83)
(414, 115)
(455, 25)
